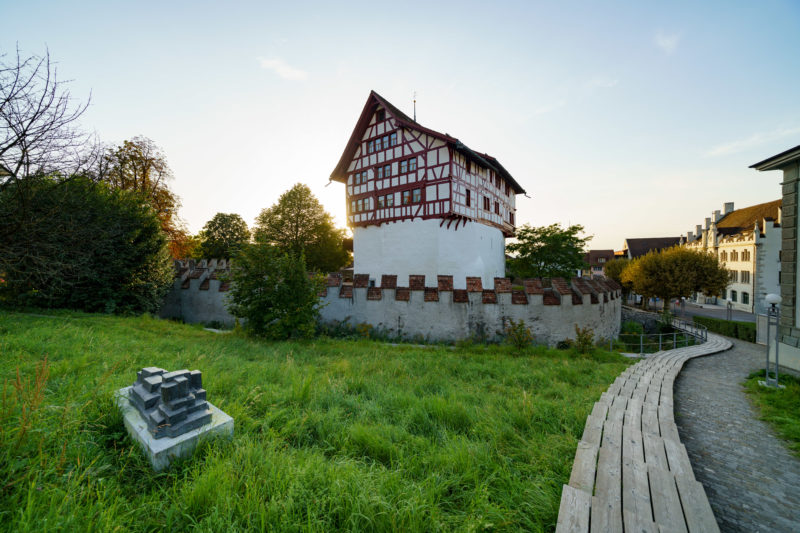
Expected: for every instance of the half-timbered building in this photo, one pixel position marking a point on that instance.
(422, 202)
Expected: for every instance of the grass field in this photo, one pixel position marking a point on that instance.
(330, 434)
(779, 407)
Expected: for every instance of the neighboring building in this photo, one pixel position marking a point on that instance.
(789, 163)
(748, 243)
(633, 248)
(597, 259)
(422, 202)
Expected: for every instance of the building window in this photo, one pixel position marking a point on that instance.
(353, 206)
(745, 255)
(381, 202)
(745, 278)
(412, 164)
(379, 172)
(389, 200)
(733, 296)
(601, 259)
(417, 195)
(370, 147)
(485, 203)
(723, 256)
(745, 298)
(469, 199)
(381, 115)
(406, 197)
(734, 275)
(360, 205)
(360, 177)
(511, 218)
(497, 208)
(734, 255)
(393, 139)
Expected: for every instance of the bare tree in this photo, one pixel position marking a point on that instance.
(38, 123)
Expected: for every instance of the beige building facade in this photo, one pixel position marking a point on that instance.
(748, 243)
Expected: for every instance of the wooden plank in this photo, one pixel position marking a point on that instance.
(633, 413)
(612, 435)
(654, 453)
(637, 523)
(609, 485)
(668, 430)
(600, 410)
(616, 413)
(606, 516)
(650, 420)
(632, 443)
(584, 467)
(666, 503)
(636, 490)
(696, 509)
(574, 512)
(593, 430)
(678, 459)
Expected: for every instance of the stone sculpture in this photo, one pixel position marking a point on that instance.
(172, 403)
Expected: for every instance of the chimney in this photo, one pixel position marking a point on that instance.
(728, 207)
(689, 236)
(708, 222)
(717, 216)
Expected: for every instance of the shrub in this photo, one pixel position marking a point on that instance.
(584, 339)
(273, 292)
(745, 331)
(81, 245)
(631, 327)
(517, 334)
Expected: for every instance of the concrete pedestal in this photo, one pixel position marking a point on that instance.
(161, 452)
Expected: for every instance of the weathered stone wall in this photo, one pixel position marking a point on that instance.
(647, 319)
(198, 295)
(550, 308)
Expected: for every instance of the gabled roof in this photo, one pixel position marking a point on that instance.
(746, 218)
(401, 119)
(780, 160)
(592, 256)
(640, 247)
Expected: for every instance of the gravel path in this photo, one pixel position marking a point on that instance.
(751, 479)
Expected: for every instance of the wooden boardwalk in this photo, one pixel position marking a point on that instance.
(631, 472)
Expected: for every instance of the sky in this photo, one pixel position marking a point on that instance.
(633, 119)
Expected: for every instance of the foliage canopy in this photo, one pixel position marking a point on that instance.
(273, 292)
(223, 235)
(140, 165)
(674, 273)
(81, 245)
(547, 251)
(298, 224)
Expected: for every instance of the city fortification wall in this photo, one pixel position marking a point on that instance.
(550, 308)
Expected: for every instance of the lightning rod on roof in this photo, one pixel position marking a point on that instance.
(415, 106)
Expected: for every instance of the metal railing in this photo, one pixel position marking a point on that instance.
(686, 334)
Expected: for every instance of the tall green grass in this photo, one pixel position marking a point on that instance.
(779, 407)
(330, 435)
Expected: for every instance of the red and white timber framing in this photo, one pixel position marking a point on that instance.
(448, 181)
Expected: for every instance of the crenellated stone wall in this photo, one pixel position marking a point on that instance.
(550, 308)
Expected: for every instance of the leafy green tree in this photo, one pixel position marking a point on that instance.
(547, 251)
(298, 224)
(81, 245)
(674, 273)
(272, 291)
(223, 235)
(614, 269)
(140, 165)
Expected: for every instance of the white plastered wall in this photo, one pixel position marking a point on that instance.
(429, 248)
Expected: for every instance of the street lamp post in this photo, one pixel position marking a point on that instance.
(773, 318)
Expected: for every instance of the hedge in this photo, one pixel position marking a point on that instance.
(745, 331)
